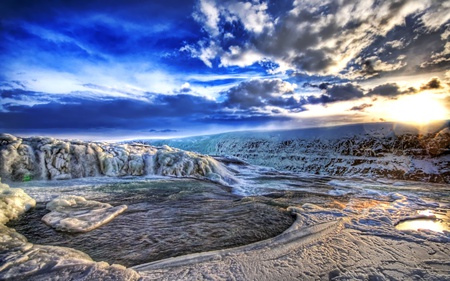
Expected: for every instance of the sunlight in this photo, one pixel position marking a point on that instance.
(423, 224)
(417, 109)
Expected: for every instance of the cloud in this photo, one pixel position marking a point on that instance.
(162, 113)
(385, 90)
(252, 15)
(164, 131)
(373, 66)
(390, 90)
(260, 93)
(158, 111)
(361, 107)
(315, 37)
(335, 93)
(340, 38)
(321, 86)
(433, 84)
(208, 14)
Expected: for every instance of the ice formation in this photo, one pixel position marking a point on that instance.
(13, 202)
(21, 260)
(369, 150)
(357, 242)
(76, 214)
(22, 159)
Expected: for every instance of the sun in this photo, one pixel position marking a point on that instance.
(418, 109)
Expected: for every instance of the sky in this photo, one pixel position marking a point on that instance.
(124, 69)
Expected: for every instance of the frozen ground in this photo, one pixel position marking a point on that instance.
(344, 229)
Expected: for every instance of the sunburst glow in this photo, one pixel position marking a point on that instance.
(417, 109)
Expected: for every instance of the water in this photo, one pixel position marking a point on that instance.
(423, 224)
(433, 220)
(165, 218)
(171, 217)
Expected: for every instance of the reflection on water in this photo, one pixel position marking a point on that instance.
(428, 224)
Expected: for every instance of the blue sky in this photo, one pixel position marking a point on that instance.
(123, 69)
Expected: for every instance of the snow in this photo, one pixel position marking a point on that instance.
(13, 202)
(379, 150)
(358, 241)
(40, 158)
(346, 228)
(76, 214)
(323, 244)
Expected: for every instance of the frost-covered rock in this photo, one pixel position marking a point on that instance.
(13, 202)
(48, 158)
(368, 150)
(76, 214)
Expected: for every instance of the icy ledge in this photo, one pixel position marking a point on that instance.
(76, 214)
(23, 159)
(294, 237)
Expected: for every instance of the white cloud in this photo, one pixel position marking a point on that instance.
(252, 15)
(240, 57)
(315, 37)
(186, 86)
(208, 14)
(437, 15)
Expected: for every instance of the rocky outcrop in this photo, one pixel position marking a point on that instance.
(405, 155)
(23, 159)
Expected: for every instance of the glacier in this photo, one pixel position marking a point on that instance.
(42, 158)
(376, 150)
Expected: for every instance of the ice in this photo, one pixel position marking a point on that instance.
(346, 228)
(39, 158)
(37, 262)
(325, 244)
(355, 241)
(22, 260)
(13, 202)
(76, 214)
(379, 150)
(423, 224)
